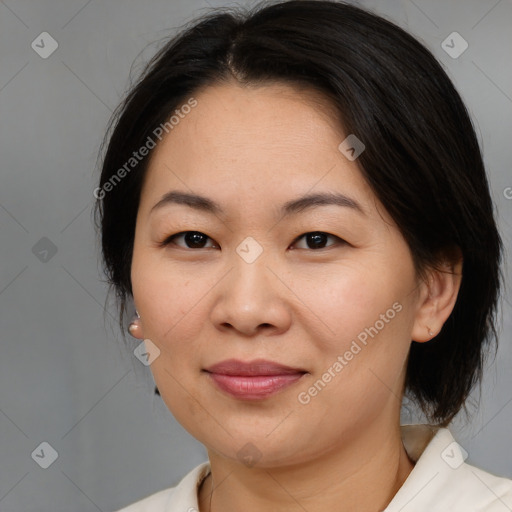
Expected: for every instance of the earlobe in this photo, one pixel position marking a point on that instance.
(437, 300)
(135, 327)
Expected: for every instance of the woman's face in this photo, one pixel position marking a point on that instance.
(341, 305)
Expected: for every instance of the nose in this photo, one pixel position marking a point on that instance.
(252, 299)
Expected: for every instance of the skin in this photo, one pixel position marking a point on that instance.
(251, 149)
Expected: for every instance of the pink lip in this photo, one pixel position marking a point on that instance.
(253, 380)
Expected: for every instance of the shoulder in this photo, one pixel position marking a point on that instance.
(482, 491)
(442, 480)
(182, 497)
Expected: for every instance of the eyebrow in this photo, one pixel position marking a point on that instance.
(298, 205)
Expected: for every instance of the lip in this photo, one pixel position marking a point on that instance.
(253, 380)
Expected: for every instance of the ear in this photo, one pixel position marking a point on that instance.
(437, 297)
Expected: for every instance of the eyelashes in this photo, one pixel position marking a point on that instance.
(193, 237)
(316, 237)
(196, 240)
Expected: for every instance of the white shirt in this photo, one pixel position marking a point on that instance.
(440, 481)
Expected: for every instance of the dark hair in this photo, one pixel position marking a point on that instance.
(422, 158)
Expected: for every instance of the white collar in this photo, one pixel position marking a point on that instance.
(441, 480)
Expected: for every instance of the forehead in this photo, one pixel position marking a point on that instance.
(255, 142)
(230, 119)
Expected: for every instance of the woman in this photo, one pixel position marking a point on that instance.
(296, 202)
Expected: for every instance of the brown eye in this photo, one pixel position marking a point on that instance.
(192, 240)
(317, 240)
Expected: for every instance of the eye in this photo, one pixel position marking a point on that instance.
(198, 240)
(317, 239)
(193, 240)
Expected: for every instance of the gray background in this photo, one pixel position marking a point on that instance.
(66, 377)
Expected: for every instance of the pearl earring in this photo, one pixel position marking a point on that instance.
(134, 324)
(430, 333)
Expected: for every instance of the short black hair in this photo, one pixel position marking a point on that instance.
(422, 157)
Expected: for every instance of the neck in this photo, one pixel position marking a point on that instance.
(364, 474)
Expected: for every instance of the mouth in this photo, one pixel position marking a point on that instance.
(253, 380)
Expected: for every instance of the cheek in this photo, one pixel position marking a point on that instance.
(362, 315)
(358, 377)
(346, 299)
(169, 302)
(168, 299)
